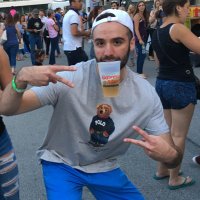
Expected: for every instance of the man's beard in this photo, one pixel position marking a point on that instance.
(123, 60)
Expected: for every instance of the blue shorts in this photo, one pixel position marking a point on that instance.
(176, 94)
(64, 182)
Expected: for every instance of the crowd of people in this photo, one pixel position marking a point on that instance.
(29, 32)
(69, 159)
(42, 29)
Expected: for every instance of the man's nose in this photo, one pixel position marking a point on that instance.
(108, 50)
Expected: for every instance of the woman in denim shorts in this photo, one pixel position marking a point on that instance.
(175, 83)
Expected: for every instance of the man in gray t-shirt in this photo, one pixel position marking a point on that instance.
(88, 131)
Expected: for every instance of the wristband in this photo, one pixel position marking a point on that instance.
(14, 86)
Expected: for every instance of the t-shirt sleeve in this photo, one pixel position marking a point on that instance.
(52, 22)
(74, 19)
(48, 95)
(157, 124)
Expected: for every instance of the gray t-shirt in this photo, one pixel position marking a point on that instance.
(91, 142)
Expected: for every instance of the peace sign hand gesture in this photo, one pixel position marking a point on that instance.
(42, 75)
(159, 148)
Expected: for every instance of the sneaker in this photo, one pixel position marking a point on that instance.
(196, 160)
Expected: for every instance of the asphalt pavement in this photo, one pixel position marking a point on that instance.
(28, 131)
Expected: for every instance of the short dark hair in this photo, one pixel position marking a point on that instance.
(114, 2)
(50, 12)
(42, 10)
(39, 53)
(57, 9)
(169, 6)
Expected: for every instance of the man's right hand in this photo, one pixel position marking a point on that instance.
(42, 75)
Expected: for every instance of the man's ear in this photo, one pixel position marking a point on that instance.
(132, 44)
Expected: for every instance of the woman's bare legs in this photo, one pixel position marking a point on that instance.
(179, 122)
(179, 129)
(161, 168)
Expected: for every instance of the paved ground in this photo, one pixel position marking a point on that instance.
(28, 131)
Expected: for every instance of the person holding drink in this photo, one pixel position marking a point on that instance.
(88, 130)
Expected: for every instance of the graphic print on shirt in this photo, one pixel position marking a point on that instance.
(102, 126)
(37, 24)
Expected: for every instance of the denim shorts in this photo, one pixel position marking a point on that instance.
(176, 94)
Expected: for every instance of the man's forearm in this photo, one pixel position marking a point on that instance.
(82, 33)
(10, 100)
(11, 96)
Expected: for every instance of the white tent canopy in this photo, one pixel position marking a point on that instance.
(58, 4)
(53, 3)
(24, 3)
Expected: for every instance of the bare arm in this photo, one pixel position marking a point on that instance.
(16, 103)
(180, 33)
(157, 62)
(76, 32)
(56, 27)
(136, 20)
(18, 33)
(5, 70)
(152, 17)
(160, 148)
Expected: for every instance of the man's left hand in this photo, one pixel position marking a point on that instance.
(155, 147)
